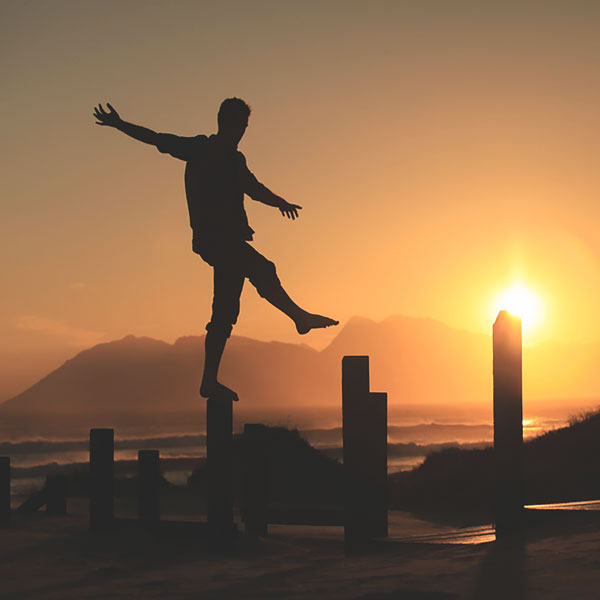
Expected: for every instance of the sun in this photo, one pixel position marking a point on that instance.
(523, 302)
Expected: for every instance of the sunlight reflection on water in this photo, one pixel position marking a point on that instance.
(585, 505)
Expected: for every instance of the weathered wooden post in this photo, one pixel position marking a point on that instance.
(508, 423)
(256, 479)
(56, 493)
(148, 486)
(101, 479)
(4, 491)
(219, 442)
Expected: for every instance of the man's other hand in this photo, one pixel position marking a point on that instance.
(108, 119)
(289, 210)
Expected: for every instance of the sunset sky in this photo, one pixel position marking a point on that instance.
(441, 151)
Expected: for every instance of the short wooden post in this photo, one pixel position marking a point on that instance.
(101, 479)
(508, 423)
(355, 393)
(56, 490)
(219, 438)
(148, 486)
(4, 491)
(256, 479)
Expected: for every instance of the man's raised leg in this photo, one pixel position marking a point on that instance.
(263, 276)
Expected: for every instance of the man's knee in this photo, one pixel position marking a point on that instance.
(223, 318)
(264, 277)
(225, 312)
(220, 328)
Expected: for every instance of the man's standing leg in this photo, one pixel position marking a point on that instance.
(228, 285)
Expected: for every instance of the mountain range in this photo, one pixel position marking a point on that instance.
(414, 360)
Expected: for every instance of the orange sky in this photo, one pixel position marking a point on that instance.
(440, 150)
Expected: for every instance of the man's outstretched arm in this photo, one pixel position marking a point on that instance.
(112, 119)
(167, 143)
(261, 193)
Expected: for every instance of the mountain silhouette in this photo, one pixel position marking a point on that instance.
(414, 360)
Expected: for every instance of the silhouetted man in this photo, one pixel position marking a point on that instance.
(216, 179)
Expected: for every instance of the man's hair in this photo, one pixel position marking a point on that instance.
(233, 111)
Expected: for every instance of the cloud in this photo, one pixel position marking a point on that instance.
(73, 336)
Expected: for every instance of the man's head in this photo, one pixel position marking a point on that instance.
(233, 119)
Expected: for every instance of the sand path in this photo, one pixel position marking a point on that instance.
(58, 558)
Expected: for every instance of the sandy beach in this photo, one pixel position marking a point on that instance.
(59, 558)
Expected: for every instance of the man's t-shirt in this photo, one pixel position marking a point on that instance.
(216, 180)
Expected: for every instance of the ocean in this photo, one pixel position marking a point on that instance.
(413, 433)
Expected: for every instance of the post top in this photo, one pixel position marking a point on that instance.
(507, 319)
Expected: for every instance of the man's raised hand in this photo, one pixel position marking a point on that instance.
(289, 210)
(108, 119)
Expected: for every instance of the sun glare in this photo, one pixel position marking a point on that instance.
(521, 301)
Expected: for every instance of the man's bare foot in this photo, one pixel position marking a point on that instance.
(308, 322)
(217, 390)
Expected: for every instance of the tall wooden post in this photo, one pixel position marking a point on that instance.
(148, 486)
(219, 455)
(101, 479)
(4, 491)
(256, 479)
(508, 423)
(56, 489)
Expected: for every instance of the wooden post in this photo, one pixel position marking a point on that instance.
(56, 490)
(355, 394)
(508, 423)
(256, 479)
(364, 434)
(101, 479)
(4, 491)
(148, 486)
(219, 438)
(376, 463)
